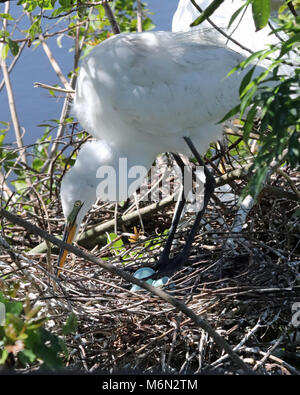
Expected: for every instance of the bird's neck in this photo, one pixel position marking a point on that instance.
(120, 170)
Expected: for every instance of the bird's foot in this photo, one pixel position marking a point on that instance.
(168, 266)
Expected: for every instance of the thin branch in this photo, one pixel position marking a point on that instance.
(53, 88)
(292, 8)
(11, 99)
(66, 106)
(290, 181)
(54, 63)
(12, 65)
(139, 16)
(110, 16)
(78, 8)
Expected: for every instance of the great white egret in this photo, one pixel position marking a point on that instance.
(145, 93)
(142, 94)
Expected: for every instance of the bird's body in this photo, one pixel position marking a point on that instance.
(131, 88)
(140, 94)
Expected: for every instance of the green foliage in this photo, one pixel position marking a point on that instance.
(261, 10)
(207, 12)
(70, 325)
(70, 12)
(24, 337)
(278, 106)
(125, 12)
(118, 247)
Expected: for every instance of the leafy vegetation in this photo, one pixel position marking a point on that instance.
(24, 341)
(274, 96)
(278, 108)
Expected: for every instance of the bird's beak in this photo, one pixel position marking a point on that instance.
(69, 234)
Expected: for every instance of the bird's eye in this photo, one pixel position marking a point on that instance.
(77, 203)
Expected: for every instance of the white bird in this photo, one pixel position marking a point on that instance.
(142, 94)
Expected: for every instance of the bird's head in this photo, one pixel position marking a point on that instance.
(74, 210)
(78, 193)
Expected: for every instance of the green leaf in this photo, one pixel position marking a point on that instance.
(249, 122)
(261, 10)
(207, 12)
(13, 46)
(26, 357)
(37, 323)
(6, 16)
(246, 80)
(3, 356)
(37, 164)
(11, 307)
(20, 185)
(116, 244)
(46, 347)
(294, 149)
(235, 15)
(148, 24)
(230, 113)
(71, 325)
(4, 51)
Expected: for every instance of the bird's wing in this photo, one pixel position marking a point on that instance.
(156, 82)
(178, 79)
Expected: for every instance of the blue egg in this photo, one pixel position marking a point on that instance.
(144, 272)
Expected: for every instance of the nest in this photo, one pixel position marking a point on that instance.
(245, 289)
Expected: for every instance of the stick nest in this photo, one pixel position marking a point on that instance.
(245, 290)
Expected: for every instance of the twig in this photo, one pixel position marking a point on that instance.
(241, 343)
(292, 8)
(11, 102)
(139, 16)
(254, 350)
(53, 88)
(240, 133)
(66, 106)
(110, 16)
(12, 65)
(290, 181)
(54, 63)
(78, 8)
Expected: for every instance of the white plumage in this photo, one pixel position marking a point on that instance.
(140, 94)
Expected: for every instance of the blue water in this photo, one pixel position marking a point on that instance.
(34, 105)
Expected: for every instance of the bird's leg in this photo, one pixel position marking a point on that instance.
(168, 266)
(179, 207)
